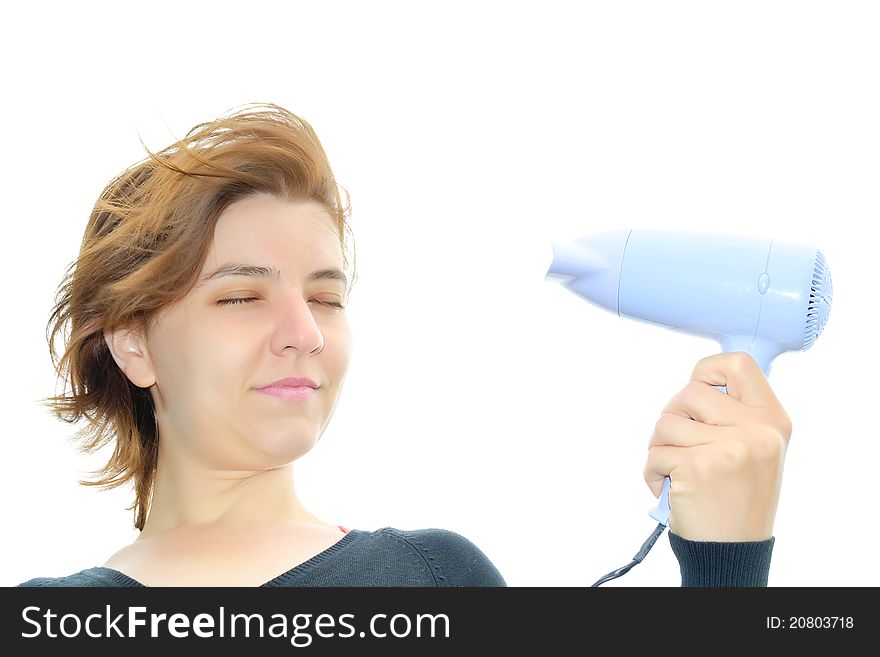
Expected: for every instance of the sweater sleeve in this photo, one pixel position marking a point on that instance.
(718, 564)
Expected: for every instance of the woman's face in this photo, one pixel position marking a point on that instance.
(235, 333)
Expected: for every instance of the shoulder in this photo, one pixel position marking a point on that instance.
(96, 576)
(452, 559)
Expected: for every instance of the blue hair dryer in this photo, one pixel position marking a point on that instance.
(760, 296)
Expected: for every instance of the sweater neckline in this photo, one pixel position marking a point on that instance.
(122, 579)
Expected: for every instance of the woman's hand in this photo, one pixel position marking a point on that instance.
(724, 453)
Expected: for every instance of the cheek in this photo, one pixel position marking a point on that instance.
(206, 362)
(337, 350)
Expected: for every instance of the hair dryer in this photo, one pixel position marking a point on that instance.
(760, 296)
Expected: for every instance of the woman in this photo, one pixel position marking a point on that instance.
(209, 342)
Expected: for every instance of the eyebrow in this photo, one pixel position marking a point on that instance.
(270, 273)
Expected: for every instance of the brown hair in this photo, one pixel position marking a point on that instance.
(143, 248)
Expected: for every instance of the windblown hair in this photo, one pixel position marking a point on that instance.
(143, 249)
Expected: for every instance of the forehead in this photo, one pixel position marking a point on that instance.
(284, 231)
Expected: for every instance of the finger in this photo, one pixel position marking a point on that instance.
(741, 374)
(661, 463)
(699, 401)
(676, 431)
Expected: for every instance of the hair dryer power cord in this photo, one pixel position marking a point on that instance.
(646, 547)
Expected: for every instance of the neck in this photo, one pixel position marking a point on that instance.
(187, 497)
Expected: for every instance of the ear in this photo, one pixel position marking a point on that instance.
(129, 350)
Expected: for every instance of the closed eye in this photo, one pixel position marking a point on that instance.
(241, 300)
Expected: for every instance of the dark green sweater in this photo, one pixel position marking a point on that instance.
(439, 557)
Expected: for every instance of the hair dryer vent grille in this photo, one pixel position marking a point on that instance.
(820, 301)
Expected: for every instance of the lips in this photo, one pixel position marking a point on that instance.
(291, 382)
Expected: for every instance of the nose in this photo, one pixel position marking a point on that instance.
(295, 326)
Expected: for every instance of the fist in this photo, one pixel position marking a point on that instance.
(724, 453)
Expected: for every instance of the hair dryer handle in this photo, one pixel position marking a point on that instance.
(661, 513)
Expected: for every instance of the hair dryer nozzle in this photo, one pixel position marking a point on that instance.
(590, 266)
(572, 261)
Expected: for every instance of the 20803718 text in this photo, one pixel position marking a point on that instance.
(809, 622)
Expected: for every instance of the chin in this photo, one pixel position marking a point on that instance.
(288, 446)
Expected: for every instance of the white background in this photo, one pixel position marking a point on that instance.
(481, 397)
